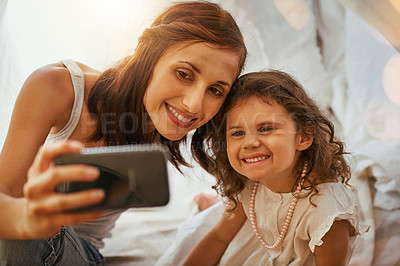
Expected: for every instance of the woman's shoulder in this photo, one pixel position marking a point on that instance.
(54, 79)
(57, 76)
(51, 87)
(50, 73)
(48, 82)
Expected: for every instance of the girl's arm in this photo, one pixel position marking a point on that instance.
(213, 245)
(29, 206)
(335, 245)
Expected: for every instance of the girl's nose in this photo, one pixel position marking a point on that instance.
(194, 100)
(251, 141)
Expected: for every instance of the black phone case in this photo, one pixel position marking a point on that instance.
(132, 176)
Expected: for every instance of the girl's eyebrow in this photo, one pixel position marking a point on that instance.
(268, 123)
(198, 71)
(233, 127)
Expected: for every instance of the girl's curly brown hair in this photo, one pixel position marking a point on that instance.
(324, 156)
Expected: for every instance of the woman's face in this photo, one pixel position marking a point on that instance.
(188, 86)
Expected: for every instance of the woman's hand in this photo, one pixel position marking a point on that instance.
(44, 209)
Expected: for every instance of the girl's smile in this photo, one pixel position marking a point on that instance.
(255, 158)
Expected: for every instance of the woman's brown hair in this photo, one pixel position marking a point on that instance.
(324, 156)
(116, 99)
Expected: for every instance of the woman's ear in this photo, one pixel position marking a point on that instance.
(304, 141)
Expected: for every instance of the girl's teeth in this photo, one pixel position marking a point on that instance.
(253, 160)
(179, 116)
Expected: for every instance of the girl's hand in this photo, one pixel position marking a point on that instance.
(44, 209)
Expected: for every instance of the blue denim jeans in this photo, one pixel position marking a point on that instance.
(64, 248)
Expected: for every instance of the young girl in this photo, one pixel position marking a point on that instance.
(283, 175)
(175, 81)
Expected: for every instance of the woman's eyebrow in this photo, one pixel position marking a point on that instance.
(194, 67)
(198, 71)
(223, 83)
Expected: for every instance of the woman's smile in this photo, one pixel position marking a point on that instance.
(178, 117)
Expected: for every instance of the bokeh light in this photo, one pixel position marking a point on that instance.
(396, 5)
(391, 79)
(381, 119)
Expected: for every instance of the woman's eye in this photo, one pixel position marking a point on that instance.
(215, 91)
(183, 74)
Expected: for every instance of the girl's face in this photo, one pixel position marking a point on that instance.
(188, 86)
(263, 143)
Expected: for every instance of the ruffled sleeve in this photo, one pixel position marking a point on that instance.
(333, 203)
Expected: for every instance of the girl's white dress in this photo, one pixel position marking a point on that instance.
(308, 226)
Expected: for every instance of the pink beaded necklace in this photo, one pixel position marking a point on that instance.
(289, 215)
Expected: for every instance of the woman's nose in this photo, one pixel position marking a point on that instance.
(251, 141)
(194, 100)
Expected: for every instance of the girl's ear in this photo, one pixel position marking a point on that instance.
(304, 141)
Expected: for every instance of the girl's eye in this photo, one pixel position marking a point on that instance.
(266, 129)
(237, 133)
(215, 91)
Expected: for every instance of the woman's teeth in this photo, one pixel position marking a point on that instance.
(253, 160)
(179, 116)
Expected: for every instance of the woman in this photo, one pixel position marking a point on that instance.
(175, 81)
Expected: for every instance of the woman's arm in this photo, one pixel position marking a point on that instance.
(44, 98)
(335, 245)
(211, 248)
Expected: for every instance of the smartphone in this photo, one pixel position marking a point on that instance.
(132, 176)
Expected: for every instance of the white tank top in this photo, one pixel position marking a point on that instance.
(94, 231)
